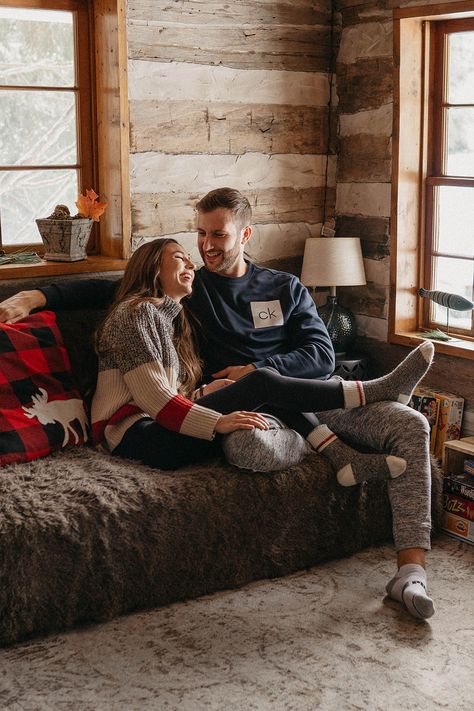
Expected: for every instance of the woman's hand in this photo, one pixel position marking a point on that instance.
(216, 385)
(241, 420)
(19, 305)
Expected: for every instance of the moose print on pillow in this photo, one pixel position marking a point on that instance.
(40, 407)
(62, 411)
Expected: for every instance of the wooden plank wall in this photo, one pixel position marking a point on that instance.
(230, 94)
(365, 90)
(364, 83)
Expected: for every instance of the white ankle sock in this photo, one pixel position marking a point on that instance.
(410, 588)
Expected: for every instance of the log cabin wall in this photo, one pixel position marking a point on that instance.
(365, 92)
(230, 94)
(237, 94)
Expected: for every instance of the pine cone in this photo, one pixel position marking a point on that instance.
(61, 212)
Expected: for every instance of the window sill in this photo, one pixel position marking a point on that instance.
(92, 264)
(458, 348)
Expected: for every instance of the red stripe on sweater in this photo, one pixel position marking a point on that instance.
(360, 390)
(328, 439)
(98, 428)
(174, 412)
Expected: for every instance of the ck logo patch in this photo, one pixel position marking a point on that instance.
(266, 314)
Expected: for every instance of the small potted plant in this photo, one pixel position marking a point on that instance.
(65, 236)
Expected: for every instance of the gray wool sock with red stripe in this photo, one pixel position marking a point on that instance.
(397, 385)
(352, 466)
(410, 588)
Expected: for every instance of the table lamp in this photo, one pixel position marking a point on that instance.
(334, 261)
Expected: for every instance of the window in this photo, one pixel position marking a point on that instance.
(449, 223)
(432, 213)
(81, 69)
(46, 113)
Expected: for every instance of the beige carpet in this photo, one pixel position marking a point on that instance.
(320, 639)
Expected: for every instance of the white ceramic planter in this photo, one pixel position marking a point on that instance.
(65, 240)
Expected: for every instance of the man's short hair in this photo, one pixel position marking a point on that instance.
(229, 199)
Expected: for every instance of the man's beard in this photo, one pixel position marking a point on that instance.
(228, 260)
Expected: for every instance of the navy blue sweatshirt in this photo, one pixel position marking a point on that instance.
(265, 317)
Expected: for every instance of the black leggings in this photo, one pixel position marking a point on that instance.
(293, 400)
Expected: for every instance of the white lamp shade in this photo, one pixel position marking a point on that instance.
(333, 261)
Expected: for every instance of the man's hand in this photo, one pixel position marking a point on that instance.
(20, 305)
(234, 372)
(241, 420)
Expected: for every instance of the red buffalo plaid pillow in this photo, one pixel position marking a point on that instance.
(40, 408)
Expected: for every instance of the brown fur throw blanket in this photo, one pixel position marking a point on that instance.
(85, 537)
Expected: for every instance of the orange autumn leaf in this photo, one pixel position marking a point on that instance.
(88, 205)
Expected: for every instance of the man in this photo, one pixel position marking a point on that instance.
(254, 317)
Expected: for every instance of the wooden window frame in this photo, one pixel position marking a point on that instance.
(107, 124)
(437, 175)
(410, 170)
(84, 92)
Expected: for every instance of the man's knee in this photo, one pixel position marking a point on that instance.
(407, 430)
(406, 421)
(416, 421)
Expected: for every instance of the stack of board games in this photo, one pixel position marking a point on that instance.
(443, 411)
(458, 489)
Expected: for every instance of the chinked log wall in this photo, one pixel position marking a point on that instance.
(230, 94)
(237, 94)
(365, 89)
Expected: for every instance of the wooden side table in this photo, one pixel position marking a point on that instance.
(455, 452)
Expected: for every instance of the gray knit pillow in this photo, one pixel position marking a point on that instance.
(265, 450)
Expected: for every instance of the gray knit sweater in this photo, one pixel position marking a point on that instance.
(139, 373)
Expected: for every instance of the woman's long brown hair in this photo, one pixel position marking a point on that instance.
(141, 282)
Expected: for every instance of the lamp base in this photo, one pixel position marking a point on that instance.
(340, 323)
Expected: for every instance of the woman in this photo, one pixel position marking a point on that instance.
(146, 404)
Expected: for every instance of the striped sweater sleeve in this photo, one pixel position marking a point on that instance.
(144, 354)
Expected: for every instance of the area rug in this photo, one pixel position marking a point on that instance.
(318, 639)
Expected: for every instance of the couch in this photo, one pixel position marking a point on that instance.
(85, 537)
